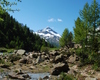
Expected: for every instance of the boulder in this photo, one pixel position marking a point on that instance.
(89, 78)
(54, 53)
(60, 67)
(20, 72)
(46, 57)
(43, 57)
(26, 76)
(35, 55)
(73, 58)
(59, 58)
(30, 55)
(23, 60)
(38, 60)
(5, 66)
(46, 78)
(15, 51)
(26, 60)
(40, 78)
(20, 52)
(72, 72)
(43, 53)
(52, 60)
(12, 75)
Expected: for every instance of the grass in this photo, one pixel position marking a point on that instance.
(64, 76)
(5, 50)
(1, 70)
(53, 49)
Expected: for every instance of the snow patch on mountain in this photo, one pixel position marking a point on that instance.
(49, 35)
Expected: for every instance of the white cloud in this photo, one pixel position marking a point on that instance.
(51, 20)
(54, 20)
(59, 20)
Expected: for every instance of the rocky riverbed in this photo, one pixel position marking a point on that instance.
(23, 66)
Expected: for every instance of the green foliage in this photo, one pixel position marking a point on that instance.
(14, 57)
(16, 71)
(5, 50)
(79, 31)
(65, 38)
(50, 49)
(16, 35)
(64, 76)
(79, 51)
(44, 49)
(2, 61)
(96, 67)
(1, 70)
(85, 26)
(6, 5)
(86, 34)
(83, 55)
(89, 57)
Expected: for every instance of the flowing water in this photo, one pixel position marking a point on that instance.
(36, 76)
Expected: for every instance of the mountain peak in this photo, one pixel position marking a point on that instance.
(49, 35)
(47, 29)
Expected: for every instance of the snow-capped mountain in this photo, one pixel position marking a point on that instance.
(49, 35)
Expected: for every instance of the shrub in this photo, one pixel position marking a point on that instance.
(95, 67)
(44, 49)
(14, 57)
(64, 76)
(2, 61)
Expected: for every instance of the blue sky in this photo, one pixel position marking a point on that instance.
(57, 14)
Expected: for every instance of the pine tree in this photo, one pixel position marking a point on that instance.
(85, 27)
(66, 38)
(79, 31)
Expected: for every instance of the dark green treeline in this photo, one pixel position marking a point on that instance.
(15, 35)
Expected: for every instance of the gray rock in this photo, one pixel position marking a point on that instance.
(22, 76)
(35, 55)
(60, 67)
(73, 58)
(30, 55)
(43, 53)
(12, 75)
(15, 51)
(26, 76)
(26, 60)
(59, 58)
(43, 57)
(89, 78)
(23, 60)
(40, 78)
(46, 77)
(38, 60)
(20, 52)
(72, 72)
(54, 53)
(52, 60)
(5, 66)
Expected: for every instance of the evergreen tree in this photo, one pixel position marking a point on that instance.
(79, 31)
(66, 38)
(85, 26)
(95, 22)
(15, 35)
